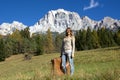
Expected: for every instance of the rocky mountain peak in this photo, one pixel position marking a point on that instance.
(59, 20)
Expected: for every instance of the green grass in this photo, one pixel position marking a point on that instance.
(99, 64)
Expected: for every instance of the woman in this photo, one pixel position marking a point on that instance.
(67, 50)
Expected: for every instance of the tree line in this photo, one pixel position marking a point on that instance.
(92, 39)
(20, 42)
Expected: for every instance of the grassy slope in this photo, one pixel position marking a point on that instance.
(100, 64)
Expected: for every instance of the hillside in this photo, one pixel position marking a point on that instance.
(99, 64)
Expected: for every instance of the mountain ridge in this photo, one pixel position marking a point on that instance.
(59, 20)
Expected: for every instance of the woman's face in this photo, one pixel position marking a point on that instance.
(68, 31)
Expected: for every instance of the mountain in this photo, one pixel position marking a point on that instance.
(7, 28)
(59, 20)
(109, 23)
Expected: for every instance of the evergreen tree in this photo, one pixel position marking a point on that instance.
(17, 41)
(89, 39)
(39, 44)
(49, 47)
(58, 42)
(106, 38)
(95, 39)
(8, 47)
(2, 50)
(25, 33)
(110, 38)
(102, 37)
(77, 40)
(0, 36)
(83, 39)
(26, 45)
(33, 44)
(80, 40)
(117, 37)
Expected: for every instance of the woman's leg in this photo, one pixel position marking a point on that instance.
(64, 63)
(71, 65)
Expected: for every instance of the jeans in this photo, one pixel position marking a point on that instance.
(67, 56)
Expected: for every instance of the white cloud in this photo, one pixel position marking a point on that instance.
(93, 4)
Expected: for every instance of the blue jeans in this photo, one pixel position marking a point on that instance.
(67, 56)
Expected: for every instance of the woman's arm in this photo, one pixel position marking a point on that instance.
(73, 45)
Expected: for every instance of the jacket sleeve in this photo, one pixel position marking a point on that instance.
(73, 44)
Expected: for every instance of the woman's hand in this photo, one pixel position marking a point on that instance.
(72, 55)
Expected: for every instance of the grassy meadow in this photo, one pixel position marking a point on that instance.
(98, 64)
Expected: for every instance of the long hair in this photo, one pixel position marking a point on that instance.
(71, 34)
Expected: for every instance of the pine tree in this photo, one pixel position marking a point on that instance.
(89, 39)
(0, 36)
(117, 37)
(8, 46)
(25, 33)
(17, 41)
(80, 40)
(77, 40)
(26, 45)
(39, 44)
(95, 39)
(106, 38)
(16, 35)
(110, 38)
(83, 41)
(2, 50)
(102, 37)
(49, 47)
(58, 42)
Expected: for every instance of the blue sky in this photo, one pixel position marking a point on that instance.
(30, 11)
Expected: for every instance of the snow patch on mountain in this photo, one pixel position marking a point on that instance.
(59, 20)
(8, 28)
